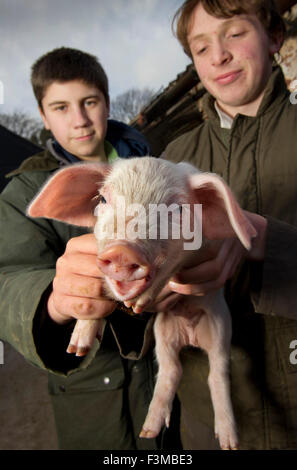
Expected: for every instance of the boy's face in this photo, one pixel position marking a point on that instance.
(233, 58)
(76, 113)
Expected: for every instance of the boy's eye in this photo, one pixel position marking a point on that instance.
(200, 51)
(60, 108)
(90, 102)
(236, 34)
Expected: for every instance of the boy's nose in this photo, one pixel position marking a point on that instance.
(220, 54)
(80, 118)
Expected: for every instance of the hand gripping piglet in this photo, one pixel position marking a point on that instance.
(136, 268)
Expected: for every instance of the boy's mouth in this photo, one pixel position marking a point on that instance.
(85, 137)
(228, 77)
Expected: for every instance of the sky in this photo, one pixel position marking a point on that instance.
(132, 39)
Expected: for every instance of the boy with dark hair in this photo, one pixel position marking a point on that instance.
(49, 275)
(64, 65)
(248, 139)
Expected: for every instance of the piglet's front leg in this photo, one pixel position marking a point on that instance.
(83, 336)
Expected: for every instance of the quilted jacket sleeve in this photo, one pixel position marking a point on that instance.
(29, 249)
(277, 292)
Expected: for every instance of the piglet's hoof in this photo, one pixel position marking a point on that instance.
(78, 350)
(147, 434)
(83, 336)
(229, 441)
(71, 349)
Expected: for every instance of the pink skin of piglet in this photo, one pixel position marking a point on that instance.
(136, 270)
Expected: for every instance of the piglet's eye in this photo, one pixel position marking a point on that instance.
(101, 199)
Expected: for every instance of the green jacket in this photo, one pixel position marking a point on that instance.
(258, 159)
(100, 401)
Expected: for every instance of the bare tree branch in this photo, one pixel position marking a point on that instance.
(127, 106)
(23, 125)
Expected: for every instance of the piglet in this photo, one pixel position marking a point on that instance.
(137, 264)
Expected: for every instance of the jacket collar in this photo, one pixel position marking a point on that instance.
(276, 92)
(65, 158)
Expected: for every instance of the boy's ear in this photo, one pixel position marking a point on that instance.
(276, 41)
(46, 124)
(108, 107)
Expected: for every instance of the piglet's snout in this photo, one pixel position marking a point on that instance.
(126, 269)
(123, 263)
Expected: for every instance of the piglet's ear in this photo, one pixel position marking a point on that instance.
(222, 216)
(68, 195)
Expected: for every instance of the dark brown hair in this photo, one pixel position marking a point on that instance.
(265, 10)
(66, 64)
